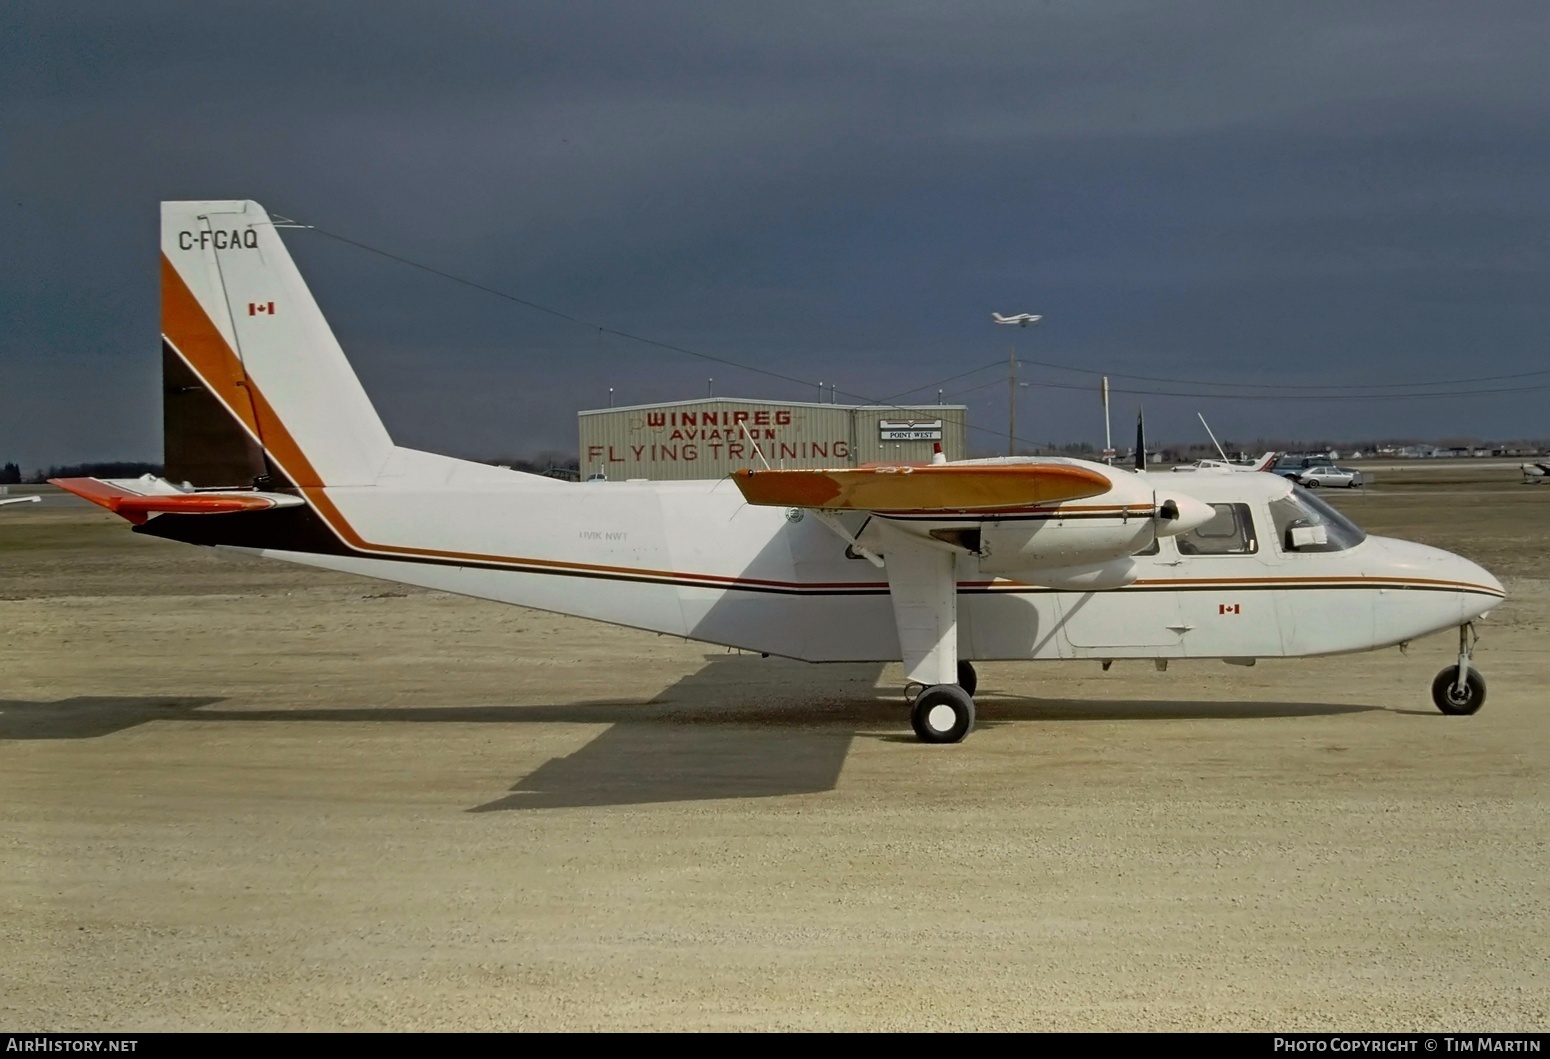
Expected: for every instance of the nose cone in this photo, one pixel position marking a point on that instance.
(1478, 588)
(1477, 602)
(1177, 513)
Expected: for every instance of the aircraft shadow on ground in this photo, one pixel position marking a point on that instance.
(91, 716)
(722, 733)
(738, 727)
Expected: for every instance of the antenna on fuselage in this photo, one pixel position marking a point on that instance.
(755, 445)
(1212, 436)
(1140, 438)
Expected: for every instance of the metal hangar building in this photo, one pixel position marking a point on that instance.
(712, 437)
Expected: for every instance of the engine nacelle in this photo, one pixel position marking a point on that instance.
(1097, 577)
(1011, 546)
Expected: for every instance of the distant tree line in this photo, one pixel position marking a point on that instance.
(550, 462)
(12, 474)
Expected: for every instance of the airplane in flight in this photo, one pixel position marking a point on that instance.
(272, 448)
(1020, 320)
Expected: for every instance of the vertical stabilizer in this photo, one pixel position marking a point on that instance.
(255, 381)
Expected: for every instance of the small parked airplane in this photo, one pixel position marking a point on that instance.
(1535, 472)
(1264, 463)
(274, 449)
(1021, 319)
(19, 500)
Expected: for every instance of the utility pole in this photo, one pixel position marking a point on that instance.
(1018, 320)
(1011, 402)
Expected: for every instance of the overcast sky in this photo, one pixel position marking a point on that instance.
(1343, 194)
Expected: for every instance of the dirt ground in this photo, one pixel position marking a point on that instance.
(239, 795)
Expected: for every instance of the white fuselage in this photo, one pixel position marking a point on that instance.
(692, 559)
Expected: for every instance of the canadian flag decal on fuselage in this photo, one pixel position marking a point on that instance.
(260, 308)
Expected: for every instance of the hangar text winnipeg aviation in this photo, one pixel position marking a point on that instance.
(273, 448)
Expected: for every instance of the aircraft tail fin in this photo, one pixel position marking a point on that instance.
(256, 388)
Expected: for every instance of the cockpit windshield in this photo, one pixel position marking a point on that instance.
(1304, 523)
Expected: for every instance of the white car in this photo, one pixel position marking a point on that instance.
(1329, 477)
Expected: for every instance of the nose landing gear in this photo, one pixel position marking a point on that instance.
(1460, 690)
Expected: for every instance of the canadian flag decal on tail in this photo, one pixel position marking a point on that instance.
(260, 308)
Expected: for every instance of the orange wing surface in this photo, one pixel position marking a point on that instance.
(922, 488)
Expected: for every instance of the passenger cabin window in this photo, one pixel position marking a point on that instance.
(1230, 532)
(1304, 523)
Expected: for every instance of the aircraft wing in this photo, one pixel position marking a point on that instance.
(921, 488)
(19, 500)
(137, 499)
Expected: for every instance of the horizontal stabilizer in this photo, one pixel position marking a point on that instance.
(922, 488)
(137, 499)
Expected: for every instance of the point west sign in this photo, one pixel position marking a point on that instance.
(909, 430)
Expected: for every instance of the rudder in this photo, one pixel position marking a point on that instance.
(255, 383)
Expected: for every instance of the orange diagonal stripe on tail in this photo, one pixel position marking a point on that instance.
(186, 325)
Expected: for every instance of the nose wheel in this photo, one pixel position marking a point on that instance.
(1459, 690)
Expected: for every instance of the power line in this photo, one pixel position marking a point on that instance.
(1297, 396)
(603, 329)
(951, 378)
(1280, 385)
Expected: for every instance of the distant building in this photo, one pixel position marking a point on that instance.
(711, 437)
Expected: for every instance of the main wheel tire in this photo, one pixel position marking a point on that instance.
(1447, 697)
(944, 713)
(968, 679)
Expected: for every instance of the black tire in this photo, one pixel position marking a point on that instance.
(1311, 483)
(1453, 704)
(944, 713)
(968, 679)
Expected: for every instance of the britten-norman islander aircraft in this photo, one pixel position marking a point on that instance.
(273, 449)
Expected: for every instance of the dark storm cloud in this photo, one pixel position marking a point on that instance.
(838, 192)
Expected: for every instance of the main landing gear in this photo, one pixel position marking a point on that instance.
(944, 713)
(1460, 689)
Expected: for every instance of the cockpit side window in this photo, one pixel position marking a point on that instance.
(1230, 532)
(1304, 524)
